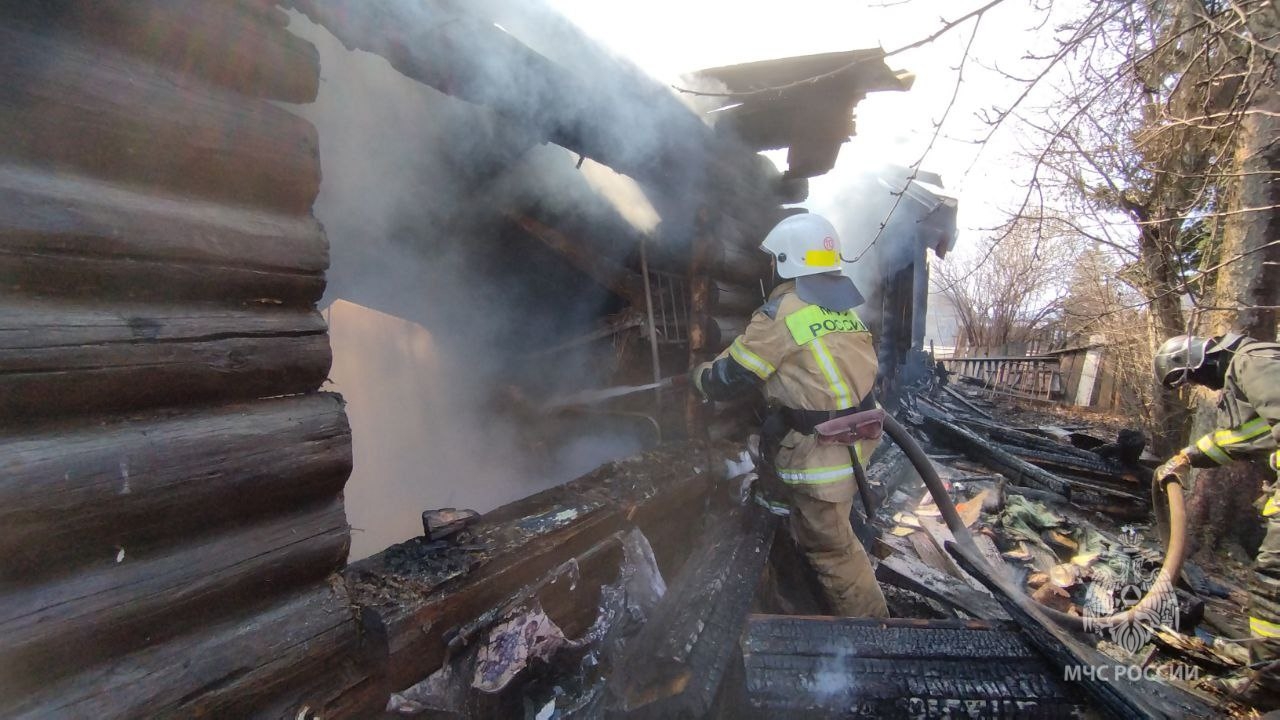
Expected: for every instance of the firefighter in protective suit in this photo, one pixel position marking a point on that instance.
(815, 359)
(1247, 372)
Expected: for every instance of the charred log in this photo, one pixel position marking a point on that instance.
(59, 358)
(100, 113)
(847, 667)
(743, 266)
(274, 662)
(73, 496)
(674, 667)
(415, 599)
(68, 235)
(723, 329)
(728, 298)
(243, 47)
(127, 602)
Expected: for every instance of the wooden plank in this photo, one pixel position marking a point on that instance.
(119, 606)
(227, 44)
(72, 235)
(90, 110)
(911, 574)
(930, 551)
(269, 662)
(59, 358)
(674, 666)
(75, 494)
(965, 401)
(410, 609)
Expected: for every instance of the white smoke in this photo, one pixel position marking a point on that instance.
(433, 313)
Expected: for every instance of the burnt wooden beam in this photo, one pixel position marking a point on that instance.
(58, 358)
(414, 600)
(613, 276)
(817, 667)
(1097, 495)
(965, 401)
(127, 602)
(723, 329)
(69, 235)
(1101, 471)
(976, 448)
(674, 667)
(74, 495)
(912, 574)
(78, 108)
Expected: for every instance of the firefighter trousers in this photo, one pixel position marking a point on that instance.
(1264, 607)
(821, 529)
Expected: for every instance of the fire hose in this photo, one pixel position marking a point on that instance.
(1169, 489)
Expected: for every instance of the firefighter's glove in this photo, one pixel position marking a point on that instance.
(696, 377)
(1177, 467)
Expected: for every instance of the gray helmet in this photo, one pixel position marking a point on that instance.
(1182, 355)
(1178, 357)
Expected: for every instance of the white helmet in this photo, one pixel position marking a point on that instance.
(807, 248)
(804, 244)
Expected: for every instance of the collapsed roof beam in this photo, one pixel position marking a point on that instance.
(667, 148)
(610, 275)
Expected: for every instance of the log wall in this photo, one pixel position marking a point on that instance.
(171, 515)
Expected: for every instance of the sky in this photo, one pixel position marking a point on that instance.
(667, 38)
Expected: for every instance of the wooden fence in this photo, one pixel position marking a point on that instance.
(1084, 376)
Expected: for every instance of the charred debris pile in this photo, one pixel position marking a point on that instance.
(1066, 513)
(654, 587)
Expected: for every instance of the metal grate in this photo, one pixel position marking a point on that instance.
(670, 307)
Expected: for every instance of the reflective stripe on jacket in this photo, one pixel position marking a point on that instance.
(1248, 410)
(809, 358)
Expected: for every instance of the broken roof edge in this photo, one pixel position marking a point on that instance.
(778, 73)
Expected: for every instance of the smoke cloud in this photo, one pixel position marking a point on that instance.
(436, 304)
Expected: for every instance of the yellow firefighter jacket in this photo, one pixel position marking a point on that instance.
(1248, 413)
(809, 358)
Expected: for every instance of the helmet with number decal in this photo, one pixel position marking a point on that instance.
(804, 244)
(807, 249)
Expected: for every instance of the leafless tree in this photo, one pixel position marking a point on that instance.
(1158, 143)
(1010, 296)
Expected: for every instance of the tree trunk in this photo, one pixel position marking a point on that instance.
(1170, 415)
(1221, 497)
